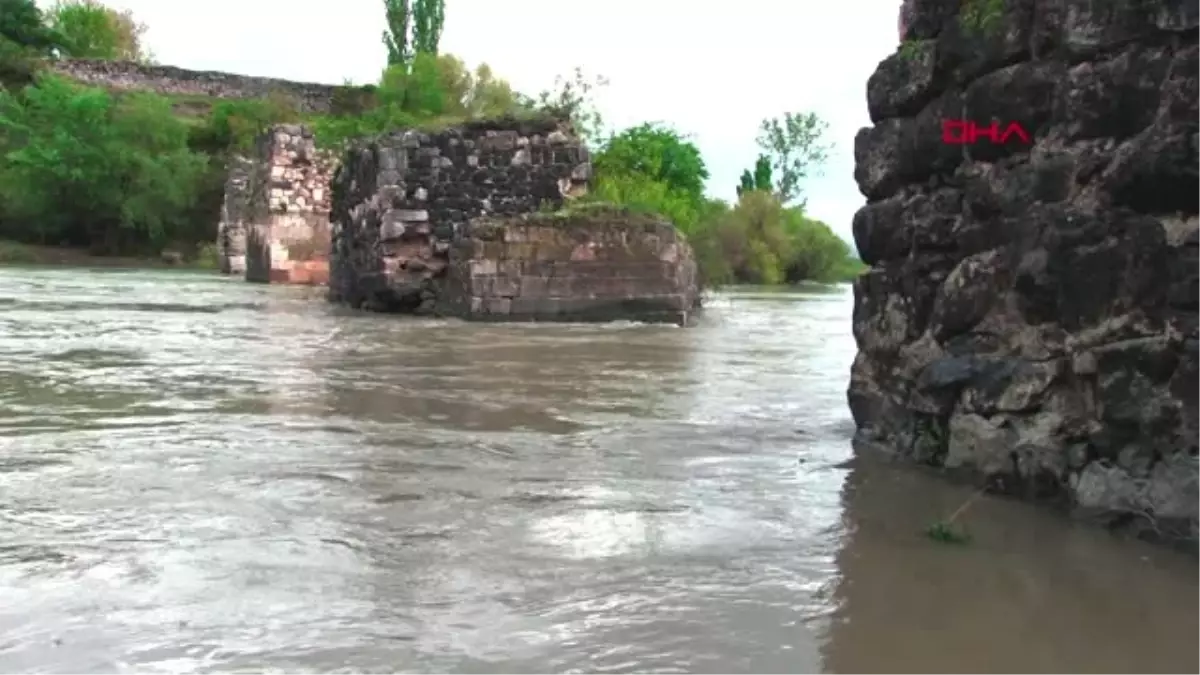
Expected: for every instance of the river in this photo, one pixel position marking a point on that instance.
(199, 474)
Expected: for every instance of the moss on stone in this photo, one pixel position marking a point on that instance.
(980, 16)
(595, 214)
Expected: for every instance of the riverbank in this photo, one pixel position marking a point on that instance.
(15, 253)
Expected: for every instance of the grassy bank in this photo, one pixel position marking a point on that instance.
(16, 253)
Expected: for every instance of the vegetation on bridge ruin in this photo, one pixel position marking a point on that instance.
(124, 173)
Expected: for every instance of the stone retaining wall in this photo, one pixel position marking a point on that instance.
(172, 81)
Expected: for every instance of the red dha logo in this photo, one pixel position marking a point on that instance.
(966, 132)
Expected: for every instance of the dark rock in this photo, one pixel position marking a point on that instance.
(1030, 316)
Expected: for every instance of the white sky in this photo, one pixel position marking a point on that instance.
(712, 69)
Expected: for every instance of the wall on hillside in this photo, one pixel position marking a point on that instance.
(172, 81)
(401, 200)
(1030, 315)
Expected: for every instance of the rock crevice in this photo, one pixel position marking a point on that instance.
(1030, 316)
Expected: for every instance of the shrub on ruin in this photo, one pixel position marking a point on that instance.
(234, 125)
(658, 153)
(80, 167)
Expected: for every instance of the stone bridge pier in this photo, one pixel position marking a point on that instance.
(275, 219)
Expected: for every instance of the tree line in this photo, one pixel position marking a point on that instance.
(132, 173)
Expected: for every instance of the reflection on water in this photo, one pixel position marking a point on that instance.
(198, 474)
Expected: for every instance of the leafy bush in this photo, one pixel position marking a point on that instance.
(88, 29)
(80, 167)
(235, 125)
(657, 153)
(645, 195)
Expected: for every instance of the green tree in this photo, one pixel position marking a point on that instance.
(796, 150)
(759, 180)
(80, 167)
(413, 27)
(90, 30)
(657, 153)
(22, 23)
(395, 37)
(24, 41)
(428, 18)
(652, 168)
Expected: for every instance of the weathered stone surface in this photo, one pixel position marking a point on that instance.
(1030, 317)
(285, 208)
(172, 81)
(235, 215)
(595, 264)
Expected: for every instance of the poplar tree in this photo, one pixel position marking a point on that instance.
(428, 18)
(423, 19)
(395, 38)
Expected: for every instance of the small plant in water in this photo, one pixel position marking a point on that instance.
(945, 532)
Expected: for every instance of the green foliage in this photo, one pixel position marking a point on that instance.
(236, 124)
(909, 49)
(88, 29)
(349, 99)
(413, 27)
(22, 23)
(18, 64)
(474, 94)
(980, 16)
(945, 533)
(13, 253)
(795, 148)
(759, 180)
(80, 167)
(24, 41)
(428, 18)
(206, 257)
(395, 37)
(643, 195)
(422, 93)
(656, 153)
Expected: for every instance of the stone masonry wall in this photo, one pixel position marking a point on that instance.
(401, 200)
(287, 228)
(172, 81)
(1030, 316)
(579, 265)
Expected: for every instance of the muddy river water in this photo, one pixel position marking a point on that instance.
(198, 474)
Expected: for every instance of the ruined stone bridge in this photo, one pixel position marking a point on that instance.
(450, 223)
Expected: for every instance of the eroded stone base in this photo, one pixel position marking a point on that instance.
(600, 265)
